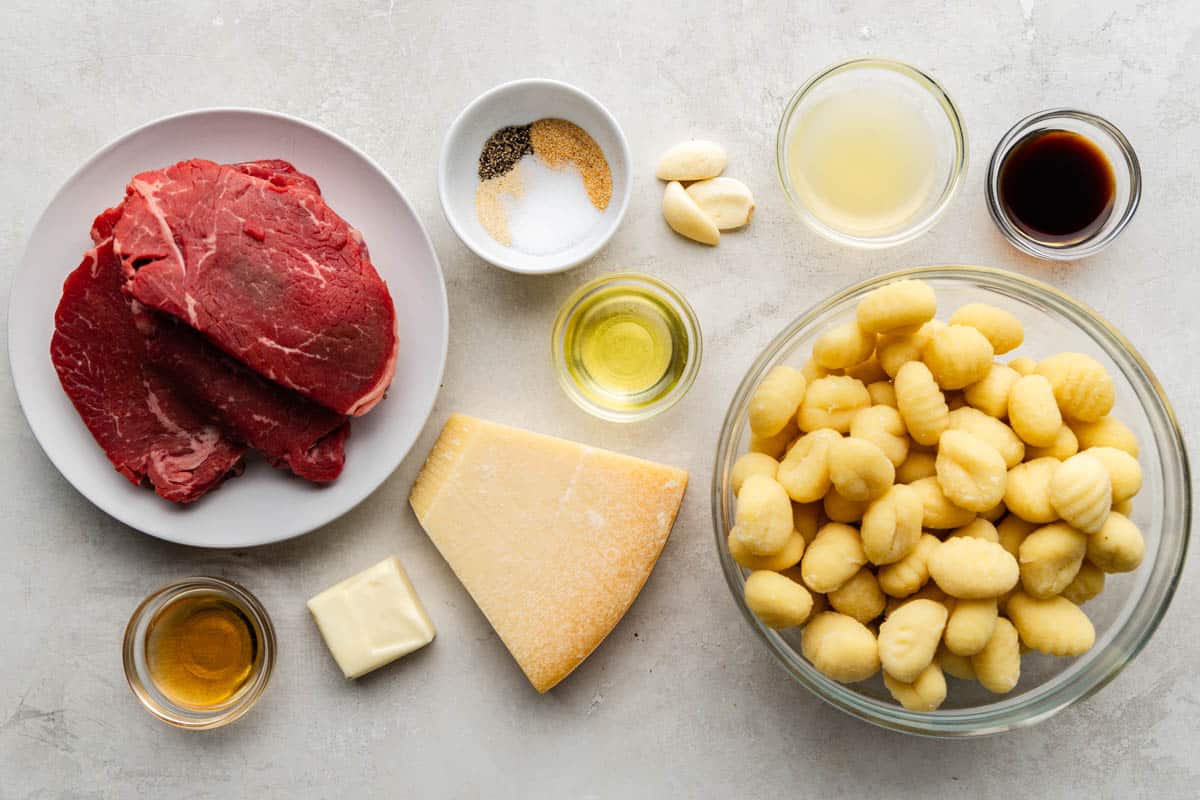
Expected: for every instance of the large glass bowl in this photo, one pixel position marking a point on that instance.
(1129, 610)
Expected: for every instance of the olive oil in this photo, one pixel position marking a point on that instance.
(625, 347)
(863, 161)
(201, 649)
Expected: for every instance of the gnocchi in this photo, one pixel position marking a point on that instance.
(958, 355)
(831, 402)
(923, 509)
(1002, 330)
(921, 403)
(777, 600)
(776, 400)
(840, 647)
(1082, 387)
(1081, 492)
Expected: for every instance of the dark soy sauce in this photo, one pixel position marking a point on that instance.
(1057, 187)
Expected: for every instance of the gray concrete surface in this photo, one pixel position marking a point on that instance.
(681, 701)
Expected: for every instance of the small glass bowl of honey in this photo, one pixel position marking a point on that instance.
(626, 347)
(199, 652)
(1063, 184)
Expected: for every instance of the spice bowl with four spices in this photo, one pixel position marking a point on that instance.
(534, 176)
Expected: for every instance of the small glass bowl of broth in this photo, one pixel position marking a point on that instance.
(1063, 184)
(626, 346)
(871, 152)
(199, 652)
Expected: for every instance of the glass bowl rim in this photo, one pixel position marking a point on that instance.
(663, 290)
(1046, 699)
(248, 696)
(958, 171)
(1087, 247)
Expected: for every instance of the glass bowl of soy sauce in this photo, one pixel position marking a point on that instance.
(1063, 184)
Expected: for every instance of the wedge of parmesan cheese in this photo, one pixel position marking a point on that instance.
(552, 539)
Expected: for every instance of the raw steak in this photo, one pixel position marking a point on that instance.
(144, 427)
(290, 430)
(252, 257)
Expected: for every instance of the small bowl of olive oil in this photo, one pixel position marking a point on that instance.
(199, 652)
(626, 347)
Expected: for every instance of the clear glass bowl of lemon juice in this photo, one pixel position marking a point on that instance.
(870, 152)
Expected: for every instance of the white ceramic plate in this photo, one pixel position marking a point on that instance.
(265, 504)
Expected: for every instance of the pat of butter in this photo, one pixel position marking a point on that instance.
(372, 618)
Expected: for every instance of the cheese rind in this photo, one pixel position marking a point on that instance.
(552, 539)
(372, 618)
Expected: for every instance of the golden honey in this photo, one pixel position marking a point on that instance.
(201, 649)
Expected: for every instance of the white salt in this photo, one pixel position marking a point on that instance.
(554, 210)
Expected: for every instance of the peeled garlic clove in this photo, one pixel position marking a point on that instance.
(727, 201)
(693, 160)
(686, 218)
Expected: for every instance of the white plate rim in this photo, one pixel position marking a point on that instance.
(360, 493)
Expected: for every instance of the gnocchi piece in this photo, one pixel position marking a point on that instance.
(1105, 432)
(859, 470)
(1003, 330)
(970, 626)
(970, 471)
(929, 591)
(763, 520)
(954, 665)
(788, 556)
(831, 402)
(894, 350)
(775, 446)
(1081, 492)
(1023, 365)
(990, 393)
(1124, 472)
(1065, 445)
(1088, 583)
(891, 525)
(843, 346)
(1053, 625)
(776, 400)
(839, 509)
(909, 637)
(1118, 547)
(860, 597)
(958, 356)
(832, 558)
(992, 431)
(919, 464)
(1082, 387)
(979, 529)
(751, 464)
(955, 399)
(998, 665)
(1050, 558)
(973, 569)
(778, 601)
(906, 576)
(1011, 531)
(1124, 507)
(899, 305)
(939, 513)
(1033, 411)
(883, 427)
(882, 393)
(921, 403)
(869, 371)
(840, 647)
(926, 693)
(806, 518)
(1027, 493)
(804, 472)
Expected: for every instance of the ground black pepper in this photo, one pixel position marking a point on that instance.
(503, 150)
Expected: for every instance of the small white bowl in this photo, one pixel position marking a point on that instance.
(520, 103)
